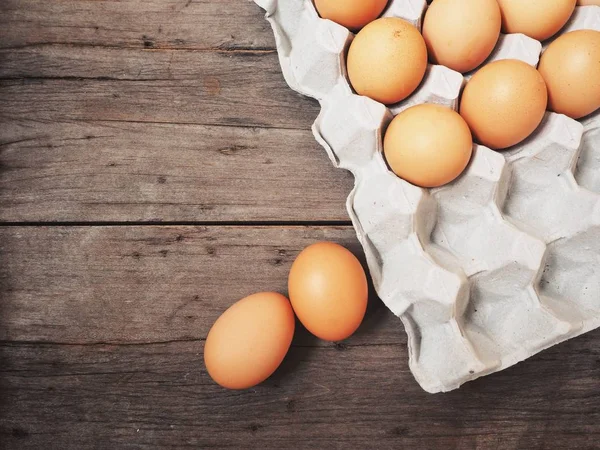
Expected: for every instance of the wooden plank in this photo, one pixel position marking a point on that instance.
(197, 24)
(102, 331)
(160, 396)
(113, 63)
(210, 89)
(81, 285)
(124, 172)
(86, 89)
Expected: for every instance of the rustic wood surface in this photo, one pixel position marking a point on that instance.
(154, 112)
(155, 168)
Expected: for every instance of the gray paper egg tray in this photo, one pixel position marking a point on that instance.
(490, 269)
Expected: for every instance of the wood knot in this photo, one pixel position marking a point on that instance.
(148, 41)
(254, 427)
(291, 405)
(232, 150)
(20, 433)
(400, 431)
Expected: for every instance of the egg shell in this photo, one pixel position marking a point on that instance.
(428, 145)
(504, 102)
(588, 2)
(570, 67)
(328, 290)
(352, 14)
(461, 34)
(539, 19)
(249, 341)
(387, 60)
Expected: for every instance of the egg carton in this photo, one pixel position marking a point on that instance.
(486, 271)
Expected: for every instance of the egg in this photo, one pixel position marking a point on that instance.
(387, 60)
(571, 68)
(461, 34)
(328, 290)
(428, 145)
(352, 14)
(249, 341)
(588, 3)
(539, 19)
(504, 102)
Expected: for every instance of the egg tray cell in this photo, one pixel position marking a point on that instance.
(486, 271)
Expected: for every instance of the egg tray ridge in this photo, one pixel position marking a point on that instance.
(486, 271)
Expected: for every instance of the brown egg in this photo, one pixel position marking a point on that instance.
(249, 341)
(588, 2)
(461, 34)
(571, 68)
(328, 290)
(504, 102)
(387, 60)
(539, 19)
(352, 14)
(428, 145)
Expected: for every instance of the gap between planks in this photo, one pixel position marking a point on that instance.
(326, 345)
(249, 224)
(142, 47)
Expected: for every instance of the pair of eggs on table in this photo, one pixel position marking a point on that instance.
(503, 103)
(328, 292)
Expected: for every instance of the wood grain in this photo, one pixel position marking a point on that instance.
(131, 135)
(127, 64)
(216, 89)
(176, 111)
(115, 132)
(102, 340)
(352, 397)
(80, 285)
(197, 24)
(135, 172)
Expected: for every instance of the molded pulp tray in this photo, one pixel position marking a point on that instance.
(490, 269)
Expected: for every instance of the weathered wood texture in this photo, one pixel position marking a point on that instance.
(240, 89)
(112, 129)
(180, 24)
(80, 285)
(117, 171)
(176, 111)
(122, 313)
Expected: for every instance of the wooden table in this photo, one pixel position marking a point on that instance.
(155, 168)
